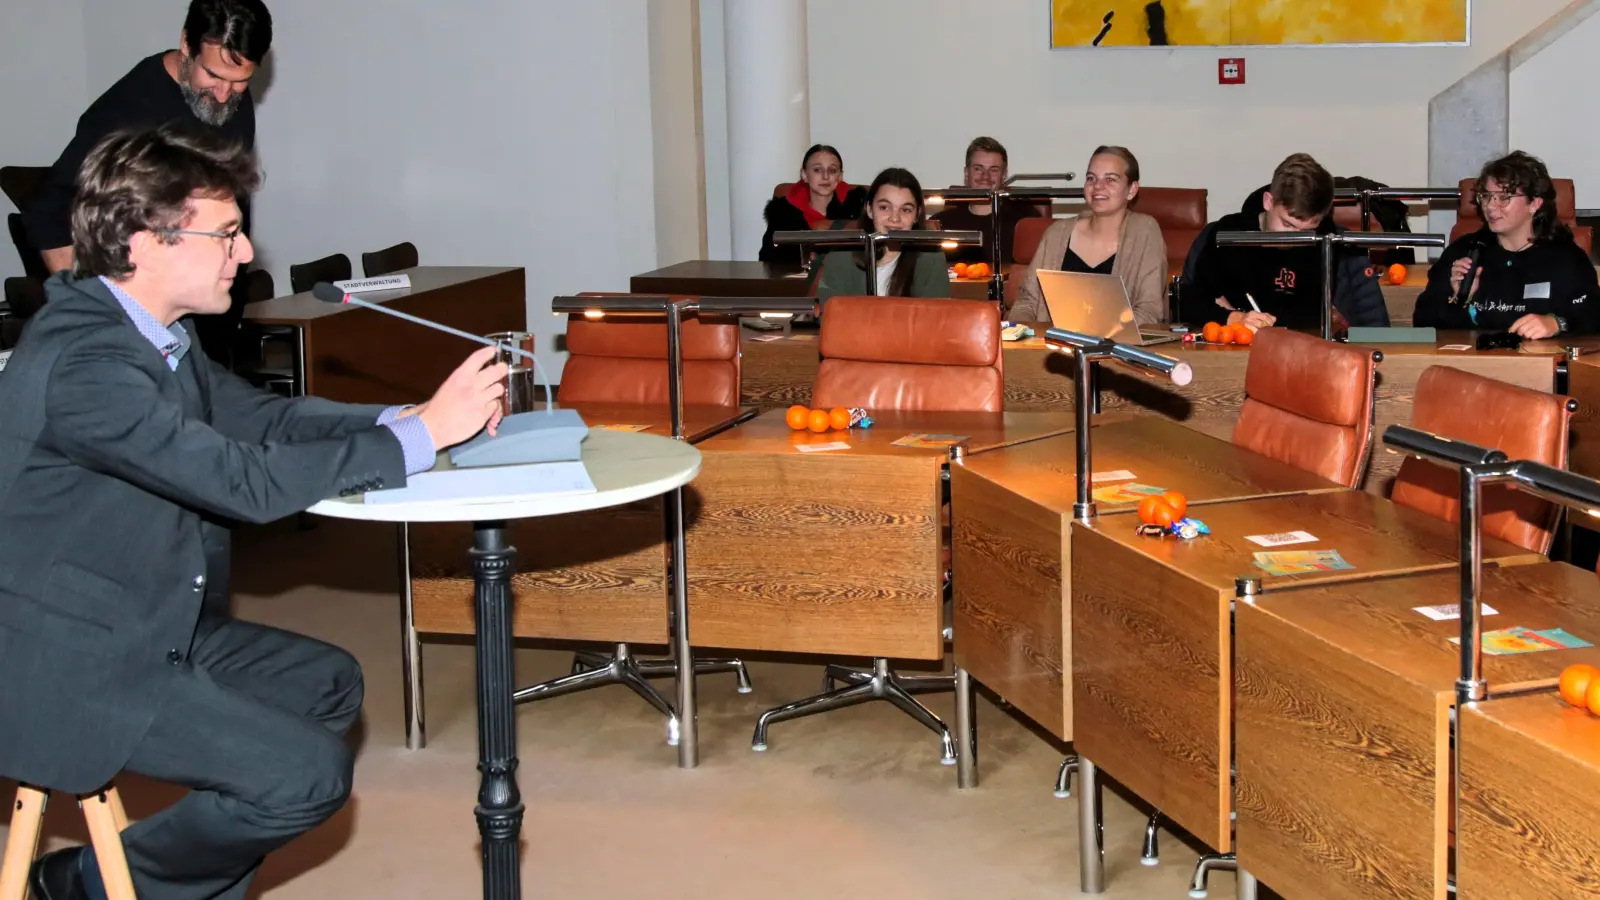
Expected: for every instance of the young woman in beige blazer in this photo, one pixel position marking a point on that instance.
(1106, 238)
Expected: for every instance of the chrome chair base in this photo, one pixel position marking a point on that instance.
(1069, 767)
(585, 660)
(620, 668)
(1203, 868)
(1151, 856)
(880, 683)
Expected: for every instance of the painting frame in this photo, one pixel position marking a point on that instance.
(1055, 7)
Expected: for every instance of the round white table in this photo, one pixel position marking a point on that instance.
(625, 467)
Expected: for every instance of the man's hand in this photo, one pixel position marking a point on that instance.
(466, 402)
(57, 260)
(1534, 327)
(1458, 272)
(1255, 320)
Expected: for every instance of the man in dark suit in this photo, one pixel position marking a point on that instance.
(123, 456)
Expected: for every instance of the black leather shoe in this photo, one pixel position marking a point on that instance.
(57, 876)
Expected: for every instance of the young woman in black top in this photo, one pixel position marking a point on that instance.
(1532, 279)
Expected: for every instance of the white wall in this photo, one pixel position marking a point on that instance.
(490, 132)
(1550, 115)
(1359, 110)
(42, 90)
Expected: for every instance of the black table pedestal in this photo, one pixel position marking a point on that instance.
(499, 808)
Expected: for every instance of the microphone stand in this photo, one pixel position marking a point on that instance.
(1086, 351)
(994, 197)
(1326, 243)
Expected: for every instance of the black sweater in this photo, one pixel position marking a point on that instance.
(781, 215)
(146, 97)
(1553, 277)
(1286, 282)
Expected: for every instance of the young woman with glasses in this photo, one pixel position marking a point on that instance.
(1532, 279)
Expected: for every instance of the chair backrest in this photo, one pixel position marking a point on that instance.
(622, 360)
(32, 262)
(1181, 213)
(20, 183)
(908, 353)
(1524, 423)
(1308, 403)
(258, 286)
(329, 268)
(389, 259)
(1467, 220)
(1026, 237)
(24, 296)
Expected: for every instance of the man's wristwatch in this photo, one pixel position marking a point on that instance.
(1561, 324)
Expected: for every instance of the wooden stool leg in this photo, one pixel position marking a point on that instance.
(102, 811)
(118, 814)
(27, 818)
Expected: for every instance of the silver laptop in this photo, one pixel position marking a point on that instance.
(1096, 305)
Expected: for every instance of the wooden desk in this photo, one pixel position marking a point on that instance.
(1152, 664)
(837, 552)
(1344, 696)
(1583, 384)
(598, 576)
(363, 356)
(737, 278)
(1011, 511)
(780, 372)
(1530, 770)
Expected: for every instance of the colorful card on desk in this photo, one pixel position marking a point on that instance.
(1282, 540)
(822, 448)
(932, 441)
(1118, 475)
(610, 426)
(1300, 562)
(1511, 641)
(1130, 492)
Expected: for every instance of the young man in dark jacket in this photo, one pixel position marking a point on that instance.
(1285, 283)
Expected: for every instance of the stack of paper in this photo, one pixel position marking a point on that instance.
(491, 484)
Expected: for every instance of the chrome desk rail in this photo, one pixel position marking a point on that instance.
(1327, 241)
(868, 241)
(1365, 196)
(994, 197)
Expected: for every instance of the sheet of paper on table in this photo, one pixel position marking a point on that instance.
(5, 357)
(490, 484)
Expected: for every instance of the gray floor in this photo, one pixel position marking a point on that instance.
(853, 801)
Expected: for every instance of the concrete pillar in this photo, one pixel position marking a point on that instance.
(769, 108)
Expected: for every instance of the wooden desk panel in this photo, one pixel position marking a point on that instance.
(361, 355)
(835, 552)
(1530, 773)
(1583, 383)
(1151, 624)
(1012, 510)
(595, 576)
(1343, 696)
(781, 372)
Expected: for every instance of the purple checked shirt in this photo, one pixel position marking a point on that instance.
(415, 441)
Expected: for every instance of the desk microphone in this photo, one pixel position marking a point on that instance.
(1472, 273)
(523, 437)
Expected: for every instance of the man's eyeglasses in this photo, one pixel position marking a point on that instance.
(229, 237)
(1496, 198)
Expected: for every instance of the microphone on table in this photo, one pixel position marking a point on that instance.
(526, 437)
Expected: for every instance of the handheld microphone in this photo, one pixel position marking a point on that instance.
(1472, 273)
(327, 293)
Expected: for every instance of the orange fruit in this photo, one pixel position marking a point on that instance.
(1153, 510)
(1243, 335)
(978, 270)
(1397, 274)
(1212, 332)
(839, 418)
(797, 417)
(1178, 502)
(818, 420)
(1592, 697)
(1164, 515)
(1575, 681)
(961, 270)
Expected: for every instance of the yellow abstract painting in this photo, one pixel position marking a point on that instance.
(1145, 23)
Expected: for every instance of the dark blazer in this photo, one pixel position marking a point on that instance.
(118, 481)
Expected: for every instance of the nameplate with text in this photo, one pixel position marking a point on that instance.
(5, 357)
(381, 283)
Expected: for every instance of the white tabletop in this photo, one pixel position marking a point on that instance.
(625, 466)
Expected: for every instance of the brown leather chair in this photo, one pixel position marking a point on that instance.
(1467, 220)
(908, 353)
(1026, 239)
(1523, 423)
(618, 360)
(1181, 213)
(900, 353)
(389, 259)
(1308, 403)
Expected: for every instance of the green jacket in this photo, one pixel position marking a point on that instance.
(841, 275)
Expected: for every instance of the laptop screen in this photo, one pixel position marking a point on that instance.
(1096, 305)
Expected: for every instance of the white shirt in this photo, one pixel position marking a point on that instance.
(886, 272)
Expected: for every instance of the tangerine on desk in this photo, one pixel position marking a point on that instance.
(1575, 683)
(1397, 274)
(798, 417)
(1243, 335)
(1212, 332)
(960, 270)
(839, 418)
(819, 420)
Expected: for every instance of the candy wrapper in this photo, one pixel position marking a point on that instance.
(1187, 529)
(859, 417)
